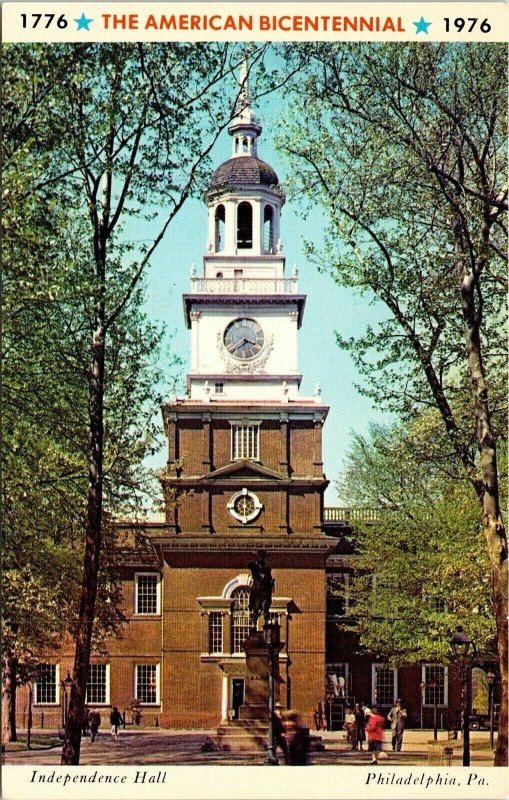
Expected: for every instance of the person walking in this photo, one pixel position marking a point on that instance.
(279, 729)
(351, 728)
(86, 720)
(94, 721)
(375, 730)
(115, 722)
(360, 722)
(296, 740)
(397, 716)
(319, 718)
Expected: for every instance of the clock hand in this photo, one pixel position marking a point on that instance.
(241, 342)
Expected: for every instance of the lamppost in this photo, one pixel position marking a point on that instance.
(435, 700)
(491, 677)
(271, 635)
(422, 687)
(465, 651)
(66, 688)
(32, 676)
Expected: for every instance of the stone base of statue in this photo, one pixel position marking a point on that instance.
(256, 682)
(249, 731)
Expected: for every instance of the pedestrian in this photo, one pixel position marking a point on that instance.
(94, 720)
(375, 730)
(360, 721)
(86, 716)
(397, 716)
(279, 738)
(115, 720)
(319, 718)
(321, 713)
(296, 740)
(351, 728)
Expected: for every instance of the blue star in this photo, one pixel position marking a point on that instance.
(421, 26)
(83, 22)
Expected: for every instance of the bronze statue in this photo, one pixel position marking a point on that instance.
(262, 587)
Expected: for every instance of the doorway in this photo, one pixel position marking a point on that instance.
(237, 695)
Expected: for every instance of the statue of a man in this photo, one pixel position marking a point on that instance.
(260, 597)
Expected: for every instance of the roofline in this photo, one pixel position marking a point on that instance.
(237, 299)
(197, 407)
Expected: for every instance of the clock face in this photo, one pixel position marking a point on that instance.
(244, 339)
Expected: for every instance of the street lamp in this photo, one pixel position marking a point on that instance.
(464, 651)
(32, 676)
(491, 677)
(271, 635)
(422, 686)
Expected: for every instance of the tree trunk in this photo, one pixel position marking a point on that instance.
(9, 668)
(72, 741)
(494, 528)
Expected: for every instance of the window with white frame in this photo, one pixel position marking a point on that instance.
(46, 685)
(245, 442)
(215, 632)
(147, 593)
(98, 684)
(434, 677)
(146, 683)
(385, 684)
(241, 617)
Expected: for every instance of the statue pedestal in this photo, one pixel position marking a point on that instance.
(249, 731)
(256, 685)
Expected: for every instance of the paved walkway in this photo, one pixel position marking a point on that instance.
(184, 747)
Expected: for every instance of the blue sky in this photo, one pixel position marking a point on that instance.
(328, 307)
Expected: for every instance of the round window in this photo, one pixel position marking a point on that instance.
(244, 506)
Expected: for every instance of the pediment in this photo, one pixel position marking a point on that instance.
(244, 469)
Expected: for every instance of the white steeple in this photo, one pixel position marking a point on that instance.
(244, 313)
(245, 127)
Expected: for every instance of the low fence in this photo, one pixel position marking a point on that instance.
(349, 515)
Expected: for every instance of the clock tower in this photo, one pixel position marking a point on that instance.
(245, 465)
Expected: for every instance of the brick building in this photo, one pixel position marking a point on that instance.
(244, 472)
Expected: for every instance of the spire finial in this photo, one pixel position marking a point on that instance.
(244, 127)
(244, 99)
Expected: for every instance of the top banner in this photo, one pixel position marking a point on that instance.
(206, 21)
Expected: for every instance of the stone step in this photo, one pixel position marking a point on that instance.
(237, 739)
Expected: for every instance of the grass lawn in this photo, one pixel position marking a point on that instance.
(36, 743)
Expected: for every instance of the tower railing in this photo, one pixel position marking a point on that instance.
(244, 285)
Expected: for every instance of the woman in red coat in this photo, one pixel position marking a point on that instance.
(375, 730)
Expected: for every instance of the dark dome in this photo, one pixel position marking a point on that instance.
(243, 170)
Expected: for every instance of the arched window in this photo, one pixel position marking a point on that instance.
(236, 144)
(268, 229)
(245, 145)
(244, 226)
(220, 221)
(241, 617)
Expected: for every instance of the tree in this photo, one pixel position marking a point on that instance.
(123, 137)
(404, 147)
(44, 394)
(434, 570)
